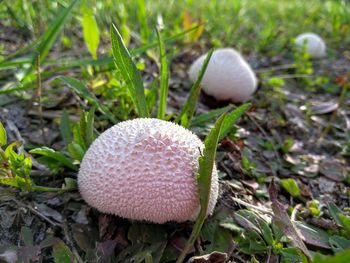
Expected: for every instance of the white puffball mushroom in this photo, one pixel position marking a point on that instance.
(315, 45)
(228, 76)
(145, 169)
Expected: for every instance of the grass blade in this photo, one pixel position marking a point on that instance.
(142, 19)
(129, 71)
(3, 136)
(65, 128)
(210, 115)
(14, 63)
(151, 96)
(89, 129)
(49, 37)
(206, 164)
(164, 78)
(231, 118)
(167, 40)
(83, 91)
(90, 30)
(189, 108)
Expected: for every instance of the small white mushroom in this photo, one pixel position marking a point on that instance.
(315, 45)
(228, 76)
(145, 169)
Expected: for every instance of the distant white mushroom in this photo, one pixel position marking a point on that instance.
(228, 76)
(315, 45)
(145, 169)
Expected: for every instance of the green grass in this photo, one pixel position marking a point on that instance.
(271, 24)
(263, 27)
(100, 50)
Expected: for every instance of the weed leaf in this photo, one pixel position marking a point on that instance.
(61, 253)
(231, 118)
(57, 156)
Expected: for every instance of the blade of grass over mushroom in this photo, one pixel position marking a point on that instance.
(129, 71)
(204, 177)
(231, 118)
(57, 156)
(48, 39)
(164, 78)
(83, 91)
(189, 108)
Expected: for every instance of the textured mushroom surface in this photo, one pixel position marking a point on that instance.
(315, 46)
(145, 169)
(228, 76)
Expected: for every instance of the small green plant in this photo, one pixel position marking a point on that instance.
(256, 235)
(304, 68)
(15, 167)
(250, 168)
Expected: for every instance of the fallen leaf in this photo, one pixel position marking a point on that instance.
(333, 169)
(318, 107)
(313, 235)
(49, 212)
(283, 221)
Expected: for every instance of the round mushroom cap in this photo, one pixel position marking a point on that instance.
(228, 76)
(145, 169)
(315, 45)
